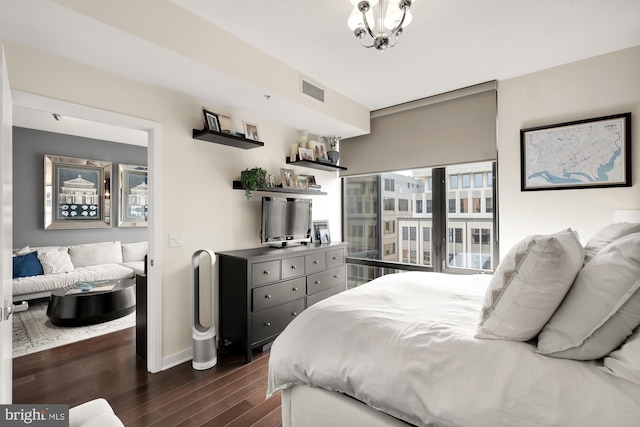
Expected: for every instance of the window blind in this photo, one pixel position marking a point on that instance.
(451, 128)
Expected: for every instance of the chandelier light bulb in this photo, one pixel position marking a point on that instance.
(357, 21)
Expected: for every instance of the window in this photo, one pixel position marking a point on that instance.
(466, 180)
(389, 185)
(489, 179)
(477, 180)
(449, 228)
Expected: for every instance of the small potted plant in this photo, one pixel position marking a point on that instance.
(252, 179)
(333, 154)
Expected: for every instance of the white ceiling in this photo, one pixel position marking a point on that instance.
(450, 44)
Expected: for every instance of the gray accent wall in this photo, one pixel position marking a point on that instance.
(29, 148)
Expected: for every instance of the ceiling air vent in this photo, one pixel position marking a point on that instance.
(311, 90)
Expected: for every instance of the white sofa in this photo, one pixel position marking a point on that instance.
(65, 265)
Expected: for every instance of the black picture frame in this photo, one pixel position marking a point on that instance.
(590, 153)
(211, 121)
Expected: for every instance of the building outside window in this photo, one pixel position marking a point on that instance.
(467, 227)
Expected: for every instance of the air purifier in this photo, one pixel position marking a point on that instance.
(205, 354)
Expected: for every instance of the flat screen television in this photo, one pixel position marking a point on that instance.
(285, 221)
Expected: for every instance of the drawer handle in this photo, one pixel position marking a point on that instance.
(316, 262)
(295, 289)
(267, 324)
(266, 272)
(335, 276)
(317, 282)
(293, 267)
(267, 296)
(294, 314)
(335, 258)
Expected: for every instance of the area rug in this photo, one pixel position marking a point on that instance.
(33, 332)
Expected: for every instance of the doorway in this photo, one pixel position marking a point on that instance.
(152, 131)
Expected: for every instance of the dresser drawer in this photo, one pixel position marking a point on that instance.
(325, 280)
(271, 295)
(314, 263)
(271, 322)
(317, 297)
(292, 267)
(335, 258)
(265, 272)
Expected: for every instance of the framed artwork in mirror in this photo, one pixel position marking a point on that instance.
(133, 195)
(77, 193)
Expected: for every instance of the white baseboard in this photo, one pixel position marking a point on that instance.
(177, 358)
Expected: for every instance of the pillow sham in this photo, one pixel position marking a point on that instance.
(529, 285)
(55, 262)
(27, 265)
(607, 235)
(625, 362)
(602, 308)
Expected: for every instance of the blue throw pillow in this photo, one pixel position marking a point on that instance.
(27, 265)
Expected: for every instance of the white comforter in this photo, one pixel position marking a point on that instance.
(404, 344)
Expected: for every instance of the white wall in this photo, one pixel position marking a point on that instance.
(600, 86)
(198, 201)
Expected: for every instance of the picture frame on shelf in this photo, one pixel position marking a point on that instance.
(287, 177)
(211, 121)
(77, 193)
(320, 152)
(251, 131)
(301, 182)
(306, 154)
(311, 180)
(591, 153)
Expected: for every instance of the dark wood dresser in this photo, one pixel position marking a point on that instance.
(262, 289)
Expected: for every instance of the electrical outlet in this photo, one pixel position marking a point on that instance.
(175, 240)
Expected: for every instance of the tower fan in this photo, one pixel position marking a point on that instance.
(204, 339)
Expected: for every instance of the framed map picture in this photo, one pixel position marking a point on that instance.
(582, 154)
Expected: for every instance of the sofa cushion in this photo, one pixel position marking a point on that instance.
(96, 253)
(27, 265)
(134, 251)
(57, 261)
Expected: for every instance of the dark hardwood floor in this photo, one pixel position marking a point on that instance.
(230, 394)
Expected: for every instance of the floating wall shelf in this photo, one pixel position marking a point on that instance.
(316, 165)
(237, 185)
(226, 139)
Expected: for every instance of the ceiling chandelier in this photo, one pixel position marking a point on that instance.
(393, 16)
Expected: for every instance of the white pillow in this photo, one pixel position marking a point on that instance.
(22, 251)
(625, 362)
(134, 251)
(607, 235)
(55, 262)
(96, 253)
(602, 308)
(529, 285)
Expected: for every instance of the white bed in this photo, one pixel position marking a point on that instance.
(402, 349)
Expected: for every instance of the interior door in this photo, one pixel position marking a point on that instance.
(6, 236)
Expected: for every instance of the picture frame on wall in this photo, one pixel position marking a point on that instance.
(133, 195)
(211, 121)
(77, 193)
(591, 153)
